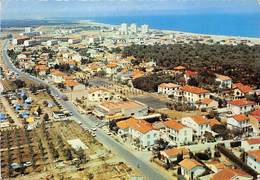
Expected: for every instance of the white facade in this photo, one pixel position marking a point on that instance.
(253, 160)
(133, 28)
(74, 41)
(243, 125)
(99, 96)
(52, 42)
(243, 109)
(167, 88)
(250, 144)
(146, 139)
(145, 29)
(198, 128)
(124, 29)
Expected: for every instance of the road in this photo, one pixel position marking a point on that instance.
(87, 122)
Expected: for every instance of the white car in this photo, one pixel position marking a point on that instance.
(93, 129)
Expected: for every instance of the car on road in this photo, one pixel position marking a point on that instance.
(93, 129)
(108, 133)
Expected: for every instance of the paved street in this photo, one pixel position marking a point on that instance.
(88, 121)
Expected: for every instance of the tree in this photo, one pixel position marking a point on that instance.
(68, 154)
(39, 110)
(46, 117)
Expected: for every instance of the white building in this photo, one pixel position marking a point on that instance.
(251, 144)
(99, 95)
(253, 159)
(145, 29)
(133, 28)
(122, 109)
(241, 106)
(31, 43)
(225, 81)
(239, 122)
(52, 42)
(198, 123)
(207, 104)
(240, 90)
(191, 168)
(193, 94)
(178, 134)
(139, 132)
(74, 41)
(167, 88)
(27, 29)
(172, 154)
(124, 29)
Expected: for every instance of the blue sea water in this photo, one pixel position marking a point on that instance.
(245, 25)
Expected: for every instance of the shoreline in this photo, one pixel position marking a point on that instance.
(255, 40)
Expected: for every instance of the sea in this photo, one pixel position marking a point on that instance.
(244, 25)
(229, 24)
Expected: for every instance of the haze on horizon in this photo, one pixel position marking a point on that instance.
(38, 9)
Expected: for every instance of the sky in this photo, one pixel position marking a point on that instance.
(38, 9)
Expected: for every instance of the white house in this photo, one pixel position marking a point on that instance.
(139, 132)
(167, 88)
(191, 168)
(177, 133)
(255, 121)
(239, 122)
(207, 103)
(193, 94)
(253, 159)
(111, 68)
(198, 123)
(240, 106)
(172, 154)
(99, 95)
(73, 85)
(225, 81)
(251, 144)
(240, 90)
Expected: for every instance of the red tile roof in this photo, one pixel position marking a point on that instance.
(139, 125)
(194, 90)
(255, 154)
(168, 85)
(178, 68)
(256, 112)
(173, 152)
(173, 124)
(240, 117)
(189, 164)
(228, 174)
(243, 88)
(241, 102)
(252, 141)
(199, 119)
(191, 73)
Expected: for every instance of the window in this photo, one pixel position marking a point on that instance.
(148, 136)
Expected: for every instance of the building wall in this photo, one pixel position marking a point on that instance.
(240, 109)
(248, 147)
(200, 129)
(182, 136)
(196, 171)
(193, 98)
(253, 163)
(232, 123)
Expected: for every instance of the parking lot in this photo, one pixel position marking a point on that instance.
(151, 101)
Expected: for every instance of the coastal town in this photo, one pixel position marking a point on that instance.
(76, 103)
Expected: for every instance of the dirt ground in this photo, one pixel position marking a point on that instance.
(48, 145)
(178, 114)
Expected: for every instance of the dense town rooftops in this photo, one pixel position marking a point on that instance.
(194, 90)
(179, 68)
(222, 77)
(241, 102)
